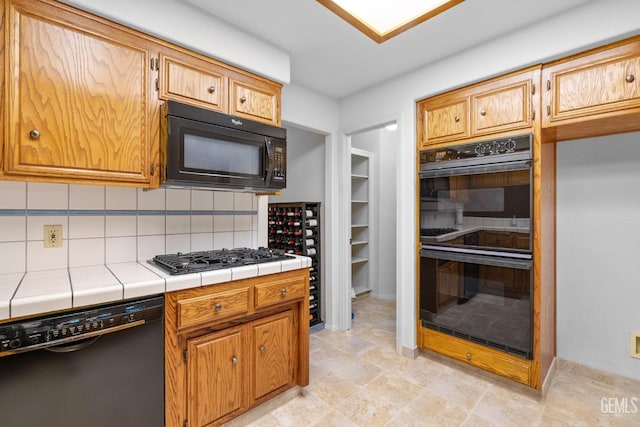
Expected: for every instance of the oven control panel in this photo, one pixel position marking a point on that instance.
(497, 147)
(279, 161)
(66, 327)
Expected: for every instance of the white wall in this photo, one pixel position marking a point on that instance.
(577, 30)
(185, 25)
(597, 236)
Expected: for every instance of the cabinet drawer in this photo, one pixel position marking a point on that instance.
(202, 86)
(503, 364)
(212, 307)
(280, 291)
(255, 100)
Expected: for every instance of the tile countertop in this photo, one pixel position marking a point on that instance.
(38, 292)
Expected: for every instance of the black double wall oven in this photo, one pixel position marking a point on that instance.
(476, 246)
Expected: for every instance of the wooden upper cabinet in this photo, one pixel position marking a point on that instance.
(193, 81)
(500, 105)
(503, 105)
(255, 99)
(80, 106)
(445, 120)
(599, 83)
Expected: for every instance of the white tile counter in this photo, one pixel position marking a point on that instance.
(39, 292)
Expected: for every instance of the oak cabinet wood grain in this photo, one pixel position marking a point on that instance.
(494, 107)
(219, 364)
(254, 99)
(81, 106)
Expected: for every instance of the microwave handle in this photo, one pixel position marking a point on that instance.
(270, 160)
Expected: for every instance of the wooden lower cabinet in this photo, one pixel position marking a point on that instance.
(217, 367)
(513, 367)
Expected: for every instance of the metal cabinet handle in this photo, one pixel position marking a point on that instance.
(218, 307)
(483, 113)
(262, 349)
(234, 360)
(630, 78)
(34, 133)
(283, 292)
(468, 356)
(211, 89)
(243, 99)
(456, 119)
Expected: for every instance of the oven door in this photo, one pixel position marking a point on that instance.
(484, 299)
(209, 155)
(491, 199)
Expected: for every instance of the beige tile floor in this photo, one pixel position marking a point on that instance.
(357, 379)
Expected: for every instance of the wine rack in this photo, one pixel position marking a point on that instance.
(295, 229)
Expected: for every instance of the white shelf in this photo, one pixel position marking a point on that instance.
(357, 260)
(359, 242)
(356, 176)
(360, 201)
(359, 225)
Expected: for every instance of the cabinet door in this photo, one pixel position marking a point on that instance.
(254, 99)
(602, 82)
(216, 373)
(444, 120)
(503, 109)
(193, 81)
(79, 106)
(272, 350)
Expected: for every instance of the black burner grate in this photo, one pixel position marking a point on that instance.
(194, 262)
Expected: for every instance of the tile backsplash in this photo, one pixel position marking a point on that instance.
(117, 224)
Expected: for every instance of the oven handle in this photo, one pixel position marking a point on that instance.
(270, 159)
(507, 260)
(476, 169)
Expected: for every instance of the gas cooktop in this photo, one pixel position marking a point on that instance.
(194, 262)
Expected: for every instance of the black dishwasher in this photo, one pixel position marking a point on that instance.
(100, 367)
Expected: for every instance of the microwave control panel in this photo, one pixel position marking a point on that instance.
(279, 160)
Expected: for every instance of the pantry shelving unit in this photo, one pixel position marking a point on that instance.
(295, 228)
(360, 220)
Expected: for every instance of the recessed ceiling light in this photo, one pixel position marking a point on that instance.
(382, 19)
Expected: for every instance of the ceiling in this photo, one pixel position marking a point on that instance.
(332, 58)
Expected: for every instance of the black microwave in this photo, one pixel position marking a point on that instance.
(212, 150)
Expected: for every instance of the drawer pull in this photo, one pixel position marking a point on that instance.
(218, 307)
(234, 360)
(35, 134)
(456, 119)
(468, 356)
(483, 113)
(630, 78)
(283, 292)
(243, 99)
(211, 89)
(263, 349)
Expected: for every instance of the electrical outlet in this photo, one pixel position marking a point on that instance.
(52, 236)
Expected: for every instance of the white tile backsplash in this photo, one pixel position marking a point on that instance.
(13, 228)
(85, 197)
(82, 227)
(41, 258)
(14, 195)
(178, 199)
(120, 249)
(14, 257)
(223, 201)
(201, 200)
(151, 199)
(120, 226)
(121, 198)
(47, 196)
(85, 252)
(143, 231)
